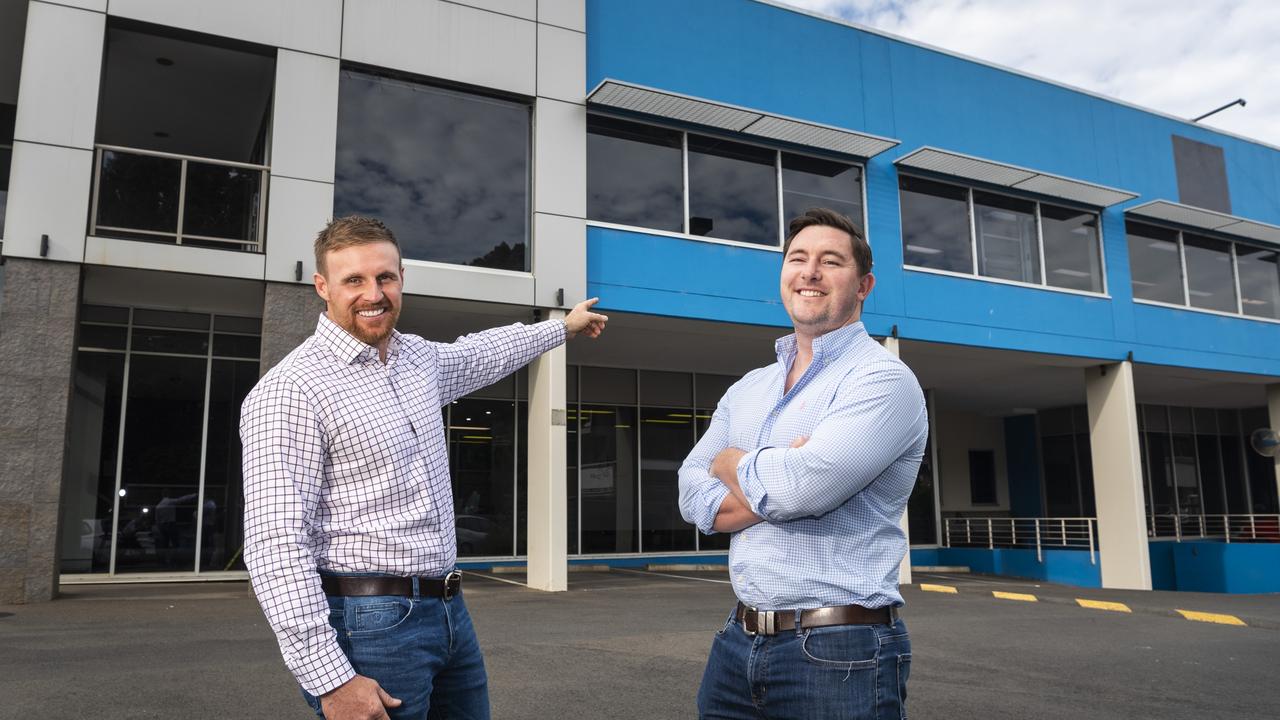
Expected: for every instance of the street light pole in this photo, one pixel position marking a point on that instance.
(1237, 101)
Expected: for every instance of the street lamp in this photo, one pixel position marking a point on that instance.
(1237, 101)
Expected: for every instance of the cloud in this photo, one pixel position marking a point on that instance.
(1182, 58)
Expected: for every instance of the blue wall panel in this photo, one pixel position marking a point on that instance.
(1227, 568)
(1070, 567)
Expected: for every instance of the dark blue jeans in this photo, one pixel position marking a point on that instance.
(849, 672)
(421, 650)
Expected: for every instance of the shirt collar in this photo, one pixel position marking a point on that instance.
(347, 348)
(827, 346)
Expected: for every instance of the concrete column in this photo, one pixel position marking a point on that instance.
(548, 549)
(1117, 477)
(1273, 412)
(37, 350)
(289, 314)
(904, 567)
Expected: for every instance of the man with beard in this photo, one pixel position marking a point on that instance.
(810, 462)
(349, 524)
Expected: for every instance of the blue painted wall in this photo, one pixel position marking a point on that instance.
(757, 55)
(1069, 567)
(1227, 568)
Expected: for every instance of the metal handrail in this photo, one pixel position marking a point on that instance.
(253, 245)
(992, 532)
(1238, 527)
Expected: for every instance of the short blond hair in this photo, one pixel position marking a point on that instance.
(345, 232)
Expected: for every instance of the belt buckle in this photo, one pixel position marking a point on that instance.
(452, 584)
(768, 618)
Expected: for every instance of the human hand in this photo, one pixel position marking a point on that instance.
(359, 698)
(582, 320)
(800, 441)
(725, 465)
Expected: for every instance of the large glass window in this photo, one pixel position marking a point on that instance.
(809, 182)
(1154, 265)
(447, 171)
(482, 437)
(1008, 247)
(1259, 281)
(733, 191)
(8, 112)
(1210, 280)
(607, 478)
(935, 225)
(1071, 255)
(666, 436)
(635, 174)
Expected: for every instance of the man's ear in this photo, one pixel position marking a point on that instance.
(322, 286)
(865, 284)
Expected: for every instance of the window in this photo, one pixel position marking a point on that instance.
(636, 175)
(982, 477)
(447, 171)
(8, 112)
(1011, 236)
(1219, 275)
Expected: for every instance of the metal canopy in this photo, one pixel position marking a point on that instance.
(1206, 220)
(673, 106)
(1011, 176)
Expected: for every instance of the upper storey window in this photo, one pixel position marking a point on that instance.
(447, 171)
(958, 229)
(665, 179)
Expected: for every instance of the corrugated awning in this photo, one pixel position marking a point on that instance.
(954, 164)
(673, 106)
(1205, 220)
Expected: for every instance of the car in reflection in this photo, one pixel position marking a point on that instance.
(477, 533)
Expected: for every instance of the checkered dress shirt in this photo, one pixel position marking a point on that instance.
(832, 507)
(346, 470)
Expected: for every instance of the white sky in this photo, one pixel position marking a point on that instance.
(1180, 57)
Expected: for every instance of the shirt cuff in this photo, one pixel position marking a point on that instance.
(713, 496)
(752, 486)
(325, 671)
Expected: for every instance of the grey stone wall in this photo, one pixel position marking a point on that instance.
(37, 348)
(289, 315)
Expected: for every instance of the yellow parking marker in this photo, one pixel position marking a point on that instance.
(1015, 596)
(1211, 617)
(1103, 605)
(937, 588)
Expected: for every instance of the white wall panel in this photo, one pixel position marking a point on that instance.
(94, 5)
(571, 14)
(172, 258)
(961, 432)
(297, 210)
(443, 40)
(304, 129)
(562, 64)
(464, 283)
(313, 26)
(48, 195)
(559, 259)
(560, 158)
(527, 9)
(61, 68)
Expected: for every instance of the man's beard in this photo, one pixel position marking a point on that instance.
(370, 336)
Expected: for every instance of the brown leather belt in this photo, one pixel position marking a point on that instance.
(432, 587)
(772, 622)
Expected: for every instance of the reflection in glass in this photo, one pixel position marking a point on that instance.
(160, 476)
(1259, 281)
(571, 476)
(89, 480)
(6, 159)
(1061, 488)
(447, 171)
(482, 466)
(607, 478)
(1184, 471)
(170, 341)
(1007, 245)
(809, 182)
(1210, 281)
(935, 225)
(733, 191)
(221, 202)
(1153, 263)
(1262, 470)
(222, 541)
(1071, 254)
(635, 175)
(138, 192)
(1207, 448)
(921, 526)
(666, 436)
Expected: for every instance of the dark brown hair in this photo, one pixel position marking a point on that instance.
(825, 217)
(351, 230)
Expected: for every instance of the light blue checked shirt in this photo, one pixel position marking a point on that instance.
(832, 507)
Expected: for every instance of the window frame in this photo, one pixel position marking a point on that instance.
(776, 149)
(973, 274)
(1232, 242)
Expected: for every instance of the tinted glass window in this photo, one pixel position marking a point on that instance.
(733, 191)
(666, 437)
(635, 175)
(482, 467)
(1210, 282)
(448, 172)
(935, 225)
(607, 478)
(1154, 264)
(809, 182)
(1071, 256)
(1259, 281)
(1007, 245)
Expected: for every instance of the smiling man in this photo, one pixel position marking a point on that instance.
(809, 463)
(349, 524)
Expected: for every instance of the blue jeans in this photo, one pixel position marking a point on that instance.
(851, 672)
(421, 650)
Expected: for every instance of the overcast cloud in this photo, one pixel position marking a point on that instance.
(1180, 57)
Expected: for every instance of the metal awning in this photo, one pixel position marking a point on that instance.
(1205, 220)
(673, 106)
(954, 164)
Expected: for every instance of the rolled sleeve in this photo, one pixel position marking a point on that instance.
(701, 493)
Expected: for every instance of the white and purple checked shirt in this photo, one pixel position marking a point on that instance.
(831, 508)
(345, 470)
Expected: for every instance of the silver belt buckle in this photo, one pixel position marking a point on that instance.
(766, 618)
(452, 584)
